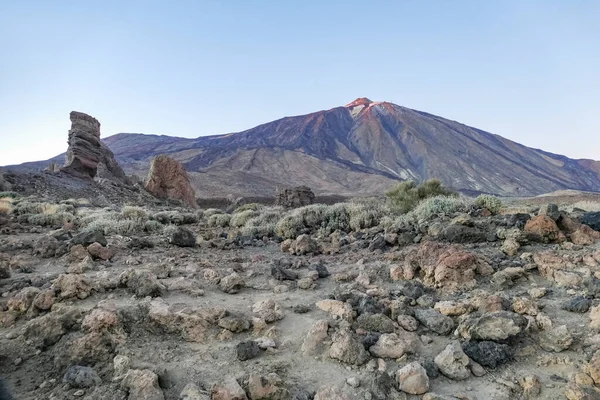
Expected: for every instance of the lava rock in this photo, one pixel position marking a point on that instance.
(87, 238)
(183, 238)
(79, 377)
(247, 350)
(282, 274)
(321, 270)
(435, 321)
(591, 219)
(487, 353)
(578, 304)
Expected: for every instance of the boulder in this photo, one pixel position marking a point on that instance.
(87, 153)
(183, 238)
(395, 345)
(435, 321)
(453, 362)
(294, 197)
(487, 353)
(556, 339)
(542, 228)
(230, 389)
(348, 349)
(494, 326)
(592, 219)
(413, 379)
(167, 179)
(142, 385)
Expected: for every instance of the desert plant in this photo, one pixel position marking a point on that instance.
(12, 195)
(219, 220)
(170, 229)
(406, 195)
(134, 213)
(5, 205)
(492, 203)
(212, 211)
(440, 205)
(249, 206)
(239, 219)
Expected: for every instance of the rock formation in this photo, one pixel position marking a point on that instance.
(295, 197)
(167, 179)
(86, 153)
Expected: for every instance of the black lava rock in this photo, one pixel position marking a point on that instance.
(183, 238)
(487, 353)
(247, 350)
(282, 274)
(87, 238)
(578, 304)
(591, 219)
(321, 270)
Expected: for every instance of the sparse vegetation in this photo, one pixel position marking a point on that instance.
(12, 195)
(492, 203)
(406, 195)
(219, 220)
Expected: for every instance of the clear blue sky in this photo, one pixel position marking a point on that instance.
(527, 70)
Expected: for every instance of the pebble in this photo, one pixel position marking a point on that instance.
(79, 393)
(353, 381)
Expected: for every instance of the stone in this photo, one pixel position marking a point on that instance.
(413, 379)
(531, 386)
(592, 368)
(347, 349)
(121, 365)
(182, 237)
(230, 389)
(99, 319)
(167, 179)
(303, 245)
(395, 345)
(234, 323)
(330, 393)
(550, 210)
(454, 308)
(46, 247)
(268, 310)
(407, 323)
(313, 342)
(321, 270)
(247, 350)
(269, 387)
(142, 283)
(591, 219)
(456, 270)
(142, 385)
(542, 229)
(44, 300)
(99, 252)
(577, 304)
(191, 391)
(510, 247)
(453, 362)
(87, 153)
(294, 197)
(595, 317)
(375, 323)
(556, 339)
(69, 286)
(282, 274)
(87, 238)
(80, 377)
(487, 353)
(21, 302)
(336, 308)
(523, 305)
(494, 326)
(377, 243)
(435, 321)
(232, 283)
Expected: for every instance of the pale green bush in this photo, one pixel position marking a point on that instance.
(492, 203)
(432, 207)
(56, 219)
(212, 211)
(176, 217)
(219, 220)
(134, 213)
(406, 195)
(249, 206)
(239, 219)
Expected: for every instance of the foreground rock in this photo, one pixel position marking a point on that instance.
(167, 179)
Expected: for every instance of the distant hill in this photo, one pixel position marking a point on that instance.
(362, 148)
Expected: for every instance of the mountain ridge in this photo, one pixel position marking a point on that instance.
(361, 148)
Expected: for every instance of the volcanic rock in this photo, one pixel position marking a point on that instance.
(167, 179)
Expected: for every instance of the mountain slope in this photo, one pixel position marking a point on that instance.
(361, 148)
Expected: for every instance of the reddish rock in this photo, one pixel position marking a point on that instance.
(99, 252)
(542, 228)
(167, 179)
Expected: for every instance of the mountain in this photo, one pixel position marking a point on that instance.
(362, 148)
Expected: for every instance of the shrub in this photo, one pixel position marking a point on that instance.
(492, 203)
(212, 211)
(11, 195)
(134, 213)
(406, 195)
(367, 213)
(219, 220)
(435, 206)
(239, 219)
(5, 206)
(153, 226)
(170, 229)
(56, 219)
(249, 206)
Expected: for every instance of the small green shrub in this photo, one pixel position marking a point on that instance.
(406, 195)
(249, 206)
(170, 229)
(57, 219)
(176, 217)
(492, 203)
(134, 213)
(153, 226)
(219, 220)
(435, 206)
(9, 195)
(239, 219)
(212, 211)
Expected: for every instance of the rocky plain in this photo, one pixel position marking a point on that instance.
(114, 287)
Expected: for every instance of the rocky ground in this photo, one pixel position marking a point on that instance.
(467, 306)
